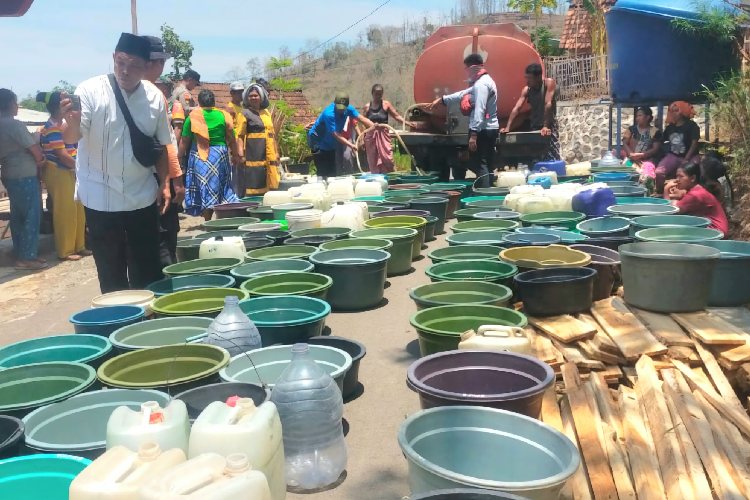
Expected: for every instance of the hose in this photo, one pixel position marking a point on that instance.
(361, 136)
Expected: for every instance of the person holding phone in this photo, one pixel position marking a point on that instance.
(120, 192)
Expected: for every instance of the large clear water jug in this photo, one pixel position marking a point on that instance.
(609, 160)
(168, 427)
(238, 426)
(209, 477)
(233, 330)
(311, 408)
(120, 473)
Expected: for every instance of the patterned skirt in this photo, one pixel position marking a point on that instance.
(208, 183)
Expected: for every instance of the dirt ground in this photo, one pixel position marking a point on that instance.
(40, 304)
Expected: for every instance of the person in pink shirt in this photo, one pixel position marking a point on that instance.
(689, 194)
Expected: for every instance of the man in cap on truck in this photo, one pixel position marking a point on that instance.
(331, 131)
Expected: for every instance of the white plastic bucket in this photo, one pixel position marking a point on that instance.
(303, 219)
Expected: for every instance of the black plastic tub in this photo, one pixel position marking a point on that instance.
(607, 264)
(11, 436)
(256, 242)
(355, 349)
(278, 236)
(465, 494)
(199, 398)
(314, 241)
(495, 379)
(555, 291)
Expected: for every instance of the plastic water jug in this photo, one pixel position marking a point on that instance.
(233, 330)
(380, 178)
(344, 215)
(310, 407)
(552, 176)
(562, 199)
(368, 188)
(303, 219)
(221, 247)
(318, 198)
(341, 190)
(167, 427)
(209, 477)
(609, 160)
(594, 201)
(238, 426)
(276, 198)
(496, 338)
(120, 473)
(534, 204)
(511, 200)
(578, 169)
(510, 179)
(526, 189)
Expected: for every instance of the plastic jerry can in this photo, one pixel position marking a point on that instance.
(534, 204)
(276, 198)
(511, 179)
(221, 247)
(168, 427)
(120, 473)
(344, 215)
(526, 189)
(238, 426)
(496, 338)
(368, 188)
(209, 477)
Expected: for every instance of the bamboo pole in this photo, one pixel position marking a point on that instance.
(134, 16)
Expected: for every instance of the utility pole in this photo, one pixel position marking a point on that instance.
(134, 16)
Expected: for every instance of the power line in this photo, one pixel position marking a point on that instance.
(373, 11)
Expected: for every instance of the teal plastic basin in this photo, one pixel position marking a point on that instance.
(159, 332)
(638, 209)
(647, 200)
(566, 237)
(465, 252)
(48, 476)
(340, 233)
(27, 387)
(495, 238)
(493, 271)
(679, 234)
(729, 286)
(286, 319)
(479, 201)
(604, 227)
(677, 220)
(558, 218)
(190, 282)
(268, 267)
(358, 276)
(81, 348)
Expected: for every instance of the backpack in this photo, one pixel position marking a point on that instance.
(467, 101)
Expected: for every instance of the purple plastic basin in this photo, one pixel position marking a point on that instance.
(502, 380)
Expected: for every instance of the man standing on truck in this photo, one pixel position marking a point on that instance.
(479, 102)
(541, 95)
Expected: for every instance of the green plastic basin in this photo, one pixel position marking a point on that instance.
(677, 220)
(485, 225)
(261, 213)
(679, 234)
(339, 233)
(403, 221)
(229, 223)
(460, 292)
(281, 252)
(159, 332)
(467, 214)
(48, 476)
(562, 218)
(629, 200)
(543, 257)
(729, 286)
(464, 252)
(173, 368)
(80, 348)
(287, 319)
(27, 387)
(190, 282)
(638, 209)
(202, 266)
(472, 270)
(440, 328)
(360, 243)
(402, 250)
(79, 424)
(198, 302)
(268, 267)
(306, 284)
(485, 202)
(358, 276)
(478, 238)
(264, 366)
(436, 206)
(566, 237)
(604, 227)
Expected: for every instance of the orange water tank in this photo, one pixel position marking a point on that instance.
(506, 49)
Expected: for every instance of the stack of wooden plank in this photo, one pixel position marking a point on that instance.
(671, 425)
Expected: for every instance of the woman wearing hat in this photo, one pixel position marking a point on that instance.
(257, 142)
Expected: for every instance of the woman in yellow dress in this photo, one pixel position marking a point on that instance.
(257, 140)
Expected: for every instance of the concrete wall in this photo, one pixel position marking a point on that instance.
(584, 127)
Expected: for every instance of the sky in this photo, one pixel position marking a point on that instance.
(73, 40)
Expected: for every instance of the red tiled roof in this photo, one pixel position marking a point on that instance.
(576, 34)
(303, 113)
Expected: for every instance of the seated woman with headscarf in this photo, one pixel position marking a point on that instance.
(693, 196)
(257, 172)
(681, 136)
(208, 134)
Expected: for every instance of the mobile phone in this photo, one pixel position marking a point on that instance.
(76, 101)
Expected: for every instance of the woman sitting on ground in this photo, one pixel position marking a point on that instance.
(692, 197)
(681, 136)
(642, 144)
(208, 134)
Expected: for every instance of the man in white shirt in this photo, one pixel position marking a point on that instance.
(120, 194)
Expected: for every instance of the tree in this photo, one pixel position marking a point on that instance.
(29, 102)
(181, 50)
(235, 73)
(543, 42)
(64, 86)
(254, 68)
(335, 54)
(374, 37)
(535, 7)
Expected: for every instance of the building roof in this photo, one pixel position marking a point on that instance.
(303, 113)
(576, 35)
(527, 22)
(32, 119)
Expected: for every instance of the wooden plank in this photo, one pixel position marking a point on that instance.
(574, 355)
(730, 412)
(625, 330)
(564, 328)
(736, 355)
(590, 349)
(684, 354)
(579, 483)
(700, 430)
(592, 449)
(551, 410)
(718, 378)
(737, 316)
(664, 328)
(545, 351)
(601, 340)
(692, 460)
(630, 375)
(611, 373)
(710, 329)
(640, 447)
(668, 452)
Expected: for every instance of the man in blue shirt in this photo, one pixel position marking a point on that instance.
(332, 131)
(484, 127)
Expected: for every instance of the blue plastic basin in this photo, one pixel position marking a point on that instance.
(105, 320)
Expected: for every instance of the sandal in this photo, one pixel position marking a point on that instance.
(30, 265)
(85, 253)
(72, 257)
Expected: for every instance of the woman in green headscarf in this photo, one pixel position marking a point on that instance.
(257, 139)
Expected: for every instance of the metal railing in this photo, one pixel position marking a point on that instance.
(579, 77)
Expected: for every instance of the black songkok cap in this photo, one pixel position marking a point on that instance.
(134, 45)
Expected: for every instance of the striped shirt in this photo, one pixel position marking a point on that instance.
(51, 140)
(108, 177)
